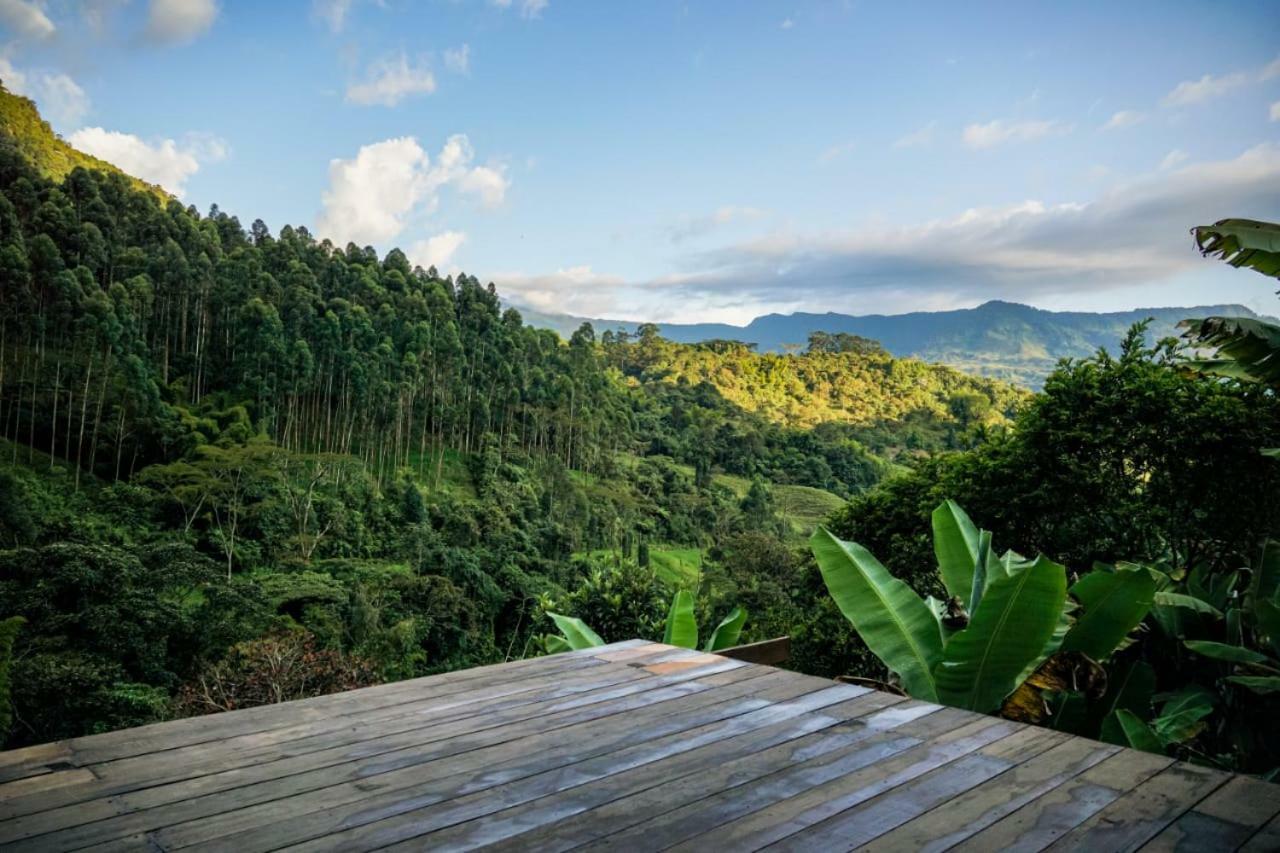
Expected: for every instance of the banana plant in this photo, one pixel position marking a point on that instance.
(681, 629)
(1005, 616)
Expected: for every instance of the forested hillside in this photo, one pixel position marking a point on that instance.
(224, 450)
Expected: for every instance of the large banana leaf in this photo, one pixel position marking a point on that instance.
(1008, 634)
(727, 632)
(1114, 603)
(888, 615)
(955, 543)
(1265, 581)
(1227, 652)
(682, 628)
(1133, 730)
(1242, 243)
(576, 633)
(1247, 348)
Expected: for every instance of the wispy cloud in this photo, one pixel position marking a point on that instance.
(1004, 131)
(786, 24)
(835, 152)
(458, 59)
(1173, 159)
(917, 138)
(1275, 111)
(1124, 118)
(690, 227)
(528, 8)
(390, 80)
(1190, 92)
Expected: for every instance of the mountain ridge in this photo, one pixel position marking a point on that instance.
(998, 339)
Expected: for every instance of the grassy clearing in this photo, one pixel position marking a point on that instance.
(678, 567)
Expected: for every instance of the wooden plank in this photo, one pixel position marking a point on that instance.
(1142, 813)
(407, 752)
(1052, 815)
(573, 817)
(963, 816)
(803, 810)
(768, 652)
(193, 730)
(199, 822)
(872, 818)
(1265, 840)
(1225, 819)
(892, 732)
(150, 771)
(407, 821)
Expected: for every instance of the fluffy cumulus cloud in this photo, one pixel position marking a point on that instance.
(1191, 92)
(390, 80)
(61, 100)
(1004, 131)
(1135, 234)
(25, 18)
(372, 196)
(166, 162)
(179, 21)
(1124, 118)
(436, 251)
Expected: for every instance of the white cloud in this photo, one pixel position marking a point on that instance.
(458, 59)
(1124, 118)
(61, 100)
(1001, 131)
(1190, 92)
(786, 24)
(390, 80)
(916, 138)
(576, 290)
(332, 12)
(1194, 91)
(180, 21)
(1173, 158)
(26, 19)
(436, 251)
(1275, 111)
(165, 162)
(1134, 234)
(371, 197)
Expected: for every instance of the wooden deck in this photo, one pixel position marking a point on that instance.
(634, 746)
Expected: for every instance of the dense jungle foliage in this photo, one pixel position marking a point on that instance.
(240, 467)
(222, 448)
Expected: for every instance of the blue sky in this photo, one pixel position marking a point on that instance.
(700, 161)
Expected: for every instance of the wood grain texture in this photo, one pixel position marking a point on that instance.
(633, 746)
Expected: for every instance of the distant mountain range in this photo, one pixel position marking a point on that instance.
(1004, 340)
